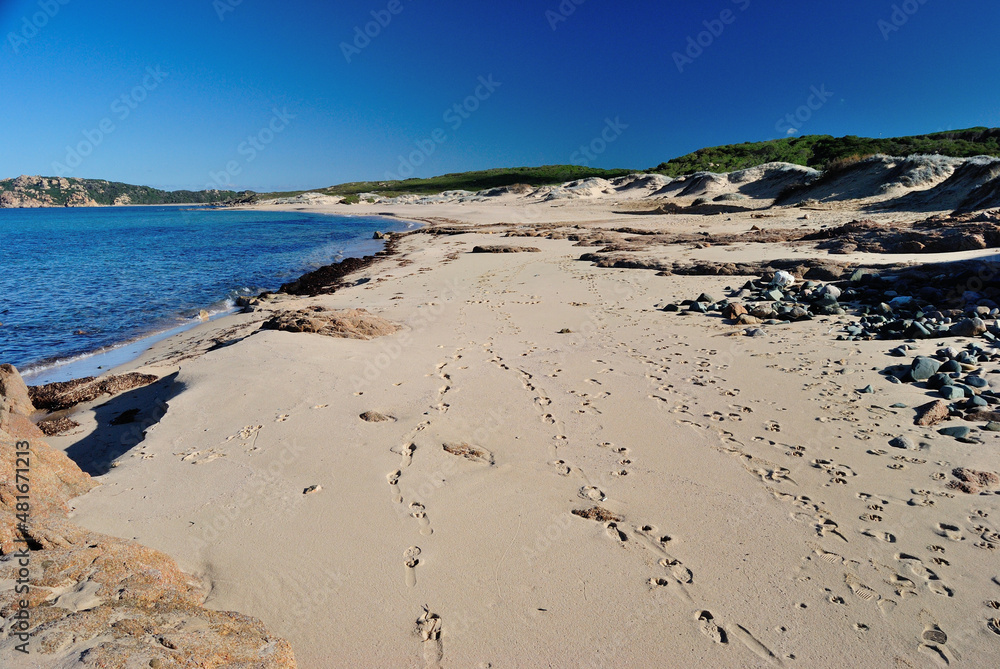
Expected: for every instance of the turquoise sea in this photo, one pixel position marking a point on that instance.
(75, 282)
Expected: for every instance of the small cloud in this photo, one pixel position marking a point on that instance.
(792, 131)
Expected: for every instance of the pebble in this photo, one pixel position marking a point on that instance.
(952, 393)
(903, 442)
(958, 432)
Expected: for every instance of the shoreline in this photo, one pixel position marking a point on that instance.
(109, 359)
(554, 442)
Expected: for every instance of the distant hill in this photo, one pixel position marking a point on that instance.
(36, 191)
(820, 151)
(472, 181)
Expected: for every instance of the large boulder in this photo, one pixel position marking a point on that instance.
(14, 391)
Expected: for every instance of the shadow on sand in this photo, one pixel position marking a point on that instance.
(122, 422)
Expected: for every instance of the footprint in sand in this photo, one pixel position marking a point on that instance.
(592, 493)
(860, 590)
(706, 623)
(410, 556)
(393, 478)
(418, 511)
(561, 467)
(949, 532)
(429, 629)
(615, 533)
(282, 418)
(405, 451)
(677, 570)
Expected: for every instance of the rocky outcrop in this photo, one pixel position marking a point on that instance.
(34, 191)
(94, 600)
(67, 394)
(346, 324)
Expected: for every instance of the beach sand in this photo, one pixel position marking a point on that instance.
(737, 501)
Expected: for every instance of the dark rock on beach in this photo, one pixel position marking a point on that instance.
(506, 249)
(67, 394)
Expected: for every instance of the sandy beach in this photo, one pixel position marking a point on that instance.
(560, 473)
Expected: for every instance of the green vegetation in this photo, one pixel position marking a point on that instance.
(819, 151)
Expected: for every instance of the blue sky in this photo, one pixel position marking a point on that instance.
(264, 95)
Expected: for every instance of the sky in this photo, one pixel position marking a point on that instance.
(268, 95)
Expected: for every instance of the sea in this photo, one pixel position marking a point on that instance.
(85, 289)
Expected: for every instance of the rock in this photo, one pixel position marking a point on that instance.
(976, 382)
(13, 389)
(674, 308)
(706, 298)
(345, 324)
(897, 405)
(867, 390)
(378, 235)
(733, 311)
(754, 332)
(952, 393)
(798, 314)
(992, 426)
(312, 489)
(783, 279)
(973, 482)
(507, 249)
(940, 380)
(774, 295)
(903, 442)
(898, 352)
(969, 327)
(67, 394)
(931, 413)
(831, 291)
(924, 368)
(951, 366)
(747, 319)
(958, 432)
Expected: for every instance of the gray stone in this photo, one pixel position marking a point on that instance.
(952, 393)
(951, 366)
(958, 432)
(940, 380)
(903, 442)
(924, 368)
(976, 381)
(774, 295)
